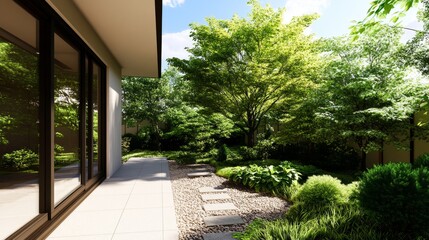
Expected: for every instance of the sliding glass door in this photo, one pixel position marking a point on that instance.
(19, 118)
(52, 118)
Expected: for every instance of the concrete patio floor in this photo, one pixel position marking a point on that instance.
(135, 203)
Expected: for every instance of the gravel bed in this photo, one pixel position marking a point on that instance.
(189, 205)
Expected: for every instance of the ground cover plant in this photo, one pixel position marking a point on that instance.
(266, 179)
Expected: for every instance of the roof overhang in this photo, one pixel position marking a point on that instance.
(130, 29)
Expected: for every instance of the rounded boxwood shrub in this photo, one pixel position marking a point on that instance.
(397, 196)
(320, 191)
(222, 154)
(422, 161)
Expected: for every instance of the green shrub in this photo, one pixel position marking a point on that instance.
(264, 148)
(186, 158)
(19, 159)
(422, 161)
(266, 179)
(222, 154)
(248, 154)
(135, 141)
(397, 196)
(321, 191)
(125, 144)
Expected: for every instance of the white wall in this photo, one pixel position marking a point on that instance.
(71, 14)
(114, 122)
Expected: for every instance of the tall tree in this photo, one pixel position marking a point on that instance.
(242, 68)
(366, 98)
(145, 99)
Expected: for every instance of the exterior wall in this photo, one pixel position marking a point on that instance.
(391, 154)
(71, 14)
(114, 122)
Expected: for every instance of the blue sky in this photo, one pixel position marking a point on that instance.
(335, 17)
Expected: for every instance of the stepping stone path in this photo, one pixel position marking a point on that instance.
(213, 194)
(199, 174)
(223, 220)
(220, 196)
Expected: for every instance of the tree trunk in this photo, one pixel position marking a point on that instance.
(251, 138)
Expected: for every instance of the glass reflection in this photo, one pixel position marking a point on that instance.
(66, 101)
(95, 110)
(19, 106)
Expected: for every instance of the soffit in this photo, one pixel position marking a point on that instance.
(129, 30)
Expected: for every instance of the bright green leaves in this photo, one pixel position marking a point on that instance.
(243, 68)
(266, 179)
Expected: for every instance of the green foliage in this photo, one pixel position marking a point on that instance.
(196, 131)
(366, 97)
(344, 222)
(243, 68)
(19, 159)
(422, 161)
(321, 191)
(135, 141)
(248, 153)
(222, 153)
(307, 171)
(125, 145)
(266, 179)
(5, 124)
(186, 158)
(397, 196)
(263, 148)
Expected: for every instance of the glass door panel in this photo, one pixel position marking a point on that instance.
(19, 118)
(95, 116)
(66, 119)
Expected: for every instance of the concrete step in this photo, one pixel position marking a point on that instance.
(218, 196)
(219, 207)
(223, 220)
(218, 236)
(211, 190)
(199, 174)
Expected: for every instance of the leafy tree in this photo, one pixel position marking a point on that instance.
(366, 98)
(243, 68)
(145, 99)
(196, 131)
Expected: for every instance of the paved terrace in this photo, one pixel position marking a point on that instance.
(135, 203)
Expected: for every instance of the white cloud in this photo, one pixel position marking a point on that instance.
(172, 3)
(302, 7)
(174, 44)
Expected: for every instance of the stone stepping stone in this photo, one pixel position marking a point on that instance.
(211, 190)
(219, 196)
(223, 220)
(218, 236)
(200, 170)
(219, 206)
(199, 174)
(197, 165)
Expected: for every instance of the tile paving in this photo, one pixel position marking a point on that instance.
(135, 203)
